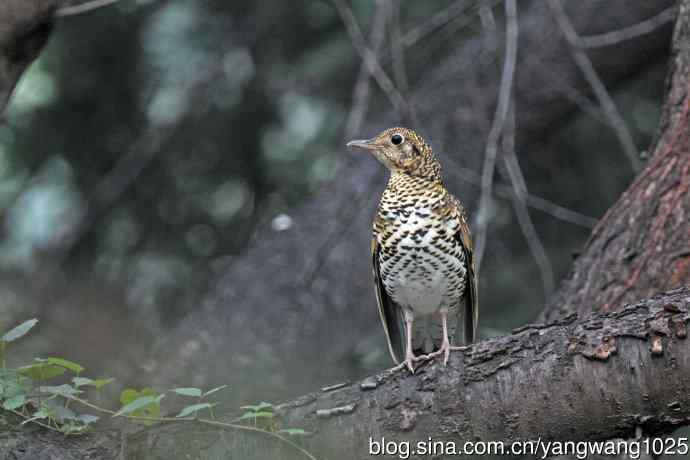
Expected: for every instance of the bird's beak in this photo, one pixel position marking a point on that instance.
(362, 144)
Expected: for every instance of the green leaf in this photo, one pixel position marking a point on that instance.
(141, 402)
(131, 400)
(14, 402)
(18, 331)
(71, 428)
(100, 383)
(294, 431)
(187, 411)
(65, 390)
(63, 413)
(12, 388)
(82, 381)
(128, 395)
(193, 392)
(248, 415)
(210, 392)
(74, 367)
(87, 419)
(41, 371)
(137, 403)
(259, 407)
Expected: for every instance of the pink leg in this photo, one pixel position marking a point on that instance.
(410, 358)
(445, 344)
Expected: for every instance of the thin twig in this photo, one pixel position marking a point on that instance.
(338, 231)
(580, 99)
(216, 423)
(504, 97)
(628, 33)
(362, 91)
(448, 33)
(488, 21)
(35, 421)
(83, 7)
(115, 183)
(441, 19)
(590, 74)
(517, 180)
(361, 95)
(398, 60)
(369, 58)
(535, 202)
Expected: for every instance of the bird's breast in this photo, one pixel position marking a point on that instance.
(422, 264)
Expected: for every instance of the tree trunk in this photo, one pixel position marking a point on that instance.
(642, 244)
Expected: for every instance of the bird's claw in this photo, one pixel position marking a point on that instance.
(445, 350)
(441, 351)
(409, 363)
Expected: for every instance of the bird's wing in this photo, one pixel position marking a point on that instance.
(471, 316)
(389, 312)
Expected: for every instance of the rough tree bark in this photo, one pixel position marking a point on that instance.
(615, 370)
(642, 244)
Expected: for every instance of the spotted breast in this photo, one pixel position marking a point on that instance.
(422, 263)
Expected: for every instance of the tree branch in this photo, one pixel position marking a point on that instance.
(25, 26)
(85, 7)
(628, 33)
(590, 74)
(504, 97)
(369, 57)
(614, 372)
(517, 180)
(536, 202)
(362, 90)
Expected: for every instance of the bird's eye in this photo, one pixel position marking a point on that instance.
(396, 139)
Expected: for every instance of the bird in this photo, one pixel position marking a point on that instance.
(421, 251)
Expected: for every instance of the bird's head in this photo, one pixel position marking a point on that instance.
(402, 150)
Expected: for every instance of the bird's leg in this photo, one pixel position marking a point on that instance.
(410, 358)
(445, 344)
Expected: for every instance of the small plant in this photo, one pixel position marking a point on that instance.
(264, 412)
(24, 391)
(201, 405)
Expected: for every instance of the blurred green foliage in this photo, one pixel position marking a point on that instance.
(250, 137)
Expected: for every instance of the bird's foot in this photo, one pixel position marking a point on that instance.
(445, 350)
(409, 362)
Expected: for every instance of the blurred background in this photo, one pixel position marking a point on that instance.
(177, 206)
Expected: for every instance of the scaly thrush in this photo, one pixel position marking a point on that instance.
(421, 252)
